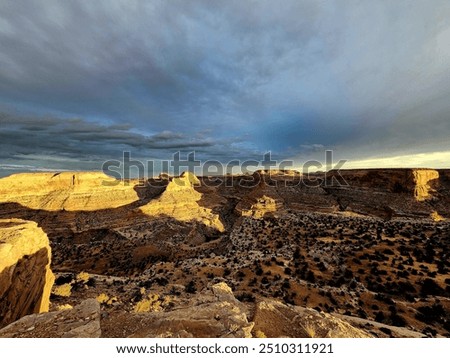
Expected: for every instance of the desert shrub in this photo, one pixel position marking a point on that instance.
(83, 277)
(383, 298)
(61, 280)
(402, 288)
(161, 281)
(92, 282)
(435, 216)
(397, 320)
(379, 317)
(442, 267)
(289, 300)
(310, 331)
(310, 276)
(64, 307)
(149, 304)
(430, 287)
(102, 298)
(286, 284)
(260, 334)
(431, 314)
(190, 287)
(245, 297)
(63, 290)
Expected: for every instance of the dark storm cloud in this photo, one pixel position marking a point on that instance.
(228, 79)
(76, 140)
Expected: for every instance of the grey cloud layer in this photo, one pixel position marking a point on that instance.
(229, 78)
(77, 138)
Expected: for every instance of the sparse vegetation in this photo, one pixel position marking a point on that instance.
(83, 277)
(64, 290)
(373, 265)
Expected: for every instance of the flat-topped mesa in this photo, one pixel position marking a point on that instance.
(71, 191)
(25, 276)
(180, 201)
(278, 172)
(409, 180)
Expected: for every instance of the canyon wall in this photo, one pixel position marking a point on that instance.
(25, 276)
(70, 191)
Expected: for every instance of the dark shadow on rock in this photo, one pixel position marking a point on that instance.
(120, 241)
(21, 287)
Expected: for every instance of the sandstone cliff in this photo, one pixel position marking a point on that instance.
(422, 178)
(71, 191)
(180, 201)
(390, 193)
(412, 181)
(25, 275)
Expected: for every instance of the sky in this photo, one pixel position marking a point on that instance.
(83, 81)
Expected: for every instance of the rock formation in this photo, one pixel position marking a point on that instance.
(390, 193)
(82, 321)
(262, 200)
(180, 201)
(422, 177)
(25, 275)
(413, 181)
(70, 191)
(276, 319)
(218, 314)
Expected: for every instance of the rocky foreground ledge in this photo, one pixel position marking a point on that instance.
(214, 313)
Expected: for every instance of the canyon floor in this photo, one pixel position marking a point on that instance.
(355, 253)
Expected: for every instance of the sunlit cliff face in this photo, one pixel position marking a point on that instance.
(180, 201)
(70, 191)
(25, 276)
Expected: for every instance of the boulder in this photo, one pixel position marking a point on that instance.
(275, 319)
(215, 313)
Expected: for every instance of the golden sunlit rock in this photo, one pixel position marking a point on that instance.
(422, 177)
(25, 276)
(180, 201)
(71, 191)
